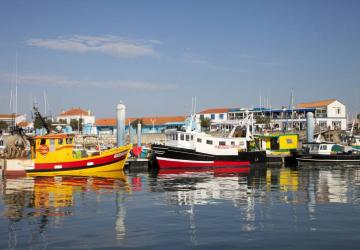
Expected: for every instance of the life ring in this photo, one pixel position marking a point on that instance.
(44, 149)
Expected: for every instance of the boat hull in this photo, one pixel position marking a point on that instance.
(109, 160)
(328, 159)
(172, 157)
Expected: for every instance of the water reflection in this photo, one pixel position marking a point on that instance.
(252, 197)
(44, 199)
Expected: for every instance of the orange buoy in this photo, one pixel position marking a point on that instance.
(44, 149)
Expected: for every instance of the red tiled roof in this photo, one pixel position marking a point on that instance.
(23, 124)
(145, 120)
(74, 111)
(106, 122)
(317, 104)
(215, 111)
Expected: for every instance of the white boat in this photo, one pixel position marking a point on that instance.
(328, 153)
(190, 148)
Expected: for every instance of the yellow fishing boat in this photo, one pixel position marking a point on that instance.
(54, 154)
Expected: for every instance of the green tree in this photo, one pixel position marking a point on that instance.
(263, 120)
(3, 125)
(38, 124)
(77, 124)
(205, 123)
(135, 122)
(62, 121)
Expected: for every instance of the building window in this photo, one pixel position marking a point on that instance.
(60, 141)
(202, 117)
(198, 140)
(222, 143)
(221, 116)
(338, 111)
(212, 116)
(210, 142)
(182, 137)
(232, 143)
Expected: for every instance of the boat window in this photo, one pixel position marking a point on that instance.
(176, 137)
(198, 140)
(192, 137)
(187, 137)
(323, 147)
(68, 140)
(182, 137)
(1, 143)
(60, 141)
(42, 141)
(222, 143)
(52, 145)
(210, 142)
(232, 143)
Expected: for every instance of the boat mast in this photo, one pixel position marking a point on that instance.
(292, 108)
(16, 83)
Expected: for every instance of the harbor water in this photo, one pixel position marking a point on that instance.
(265, 208)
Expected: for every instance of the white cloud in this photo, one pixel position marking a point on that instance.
(62, 81)
(111, 45)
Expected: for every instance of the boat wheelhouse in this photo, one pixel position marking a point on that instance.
(279, 147)
(355, 142)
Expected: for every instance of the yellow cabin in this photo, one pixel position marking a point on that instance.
(279, 143)
(53, 148)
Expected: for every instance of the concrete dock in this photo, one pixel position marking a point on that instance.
(137, 164)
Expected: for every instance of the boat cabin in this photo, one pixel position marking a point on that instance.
(324, 148)
(53, 147)
(279, 143)
(205, 143)
(355, 142)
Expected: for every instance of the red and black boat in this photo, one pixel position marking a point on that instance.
(189, 149)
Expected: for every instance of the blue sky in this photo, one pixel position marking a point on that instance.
(155, 55)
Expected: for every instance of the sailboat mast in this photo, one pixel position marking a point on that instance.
(45, 103)
(16, 83)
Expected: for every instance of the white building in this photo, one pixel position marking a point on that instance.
(76, 114)
(216, 116)
(328, 113)
(8, 118)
